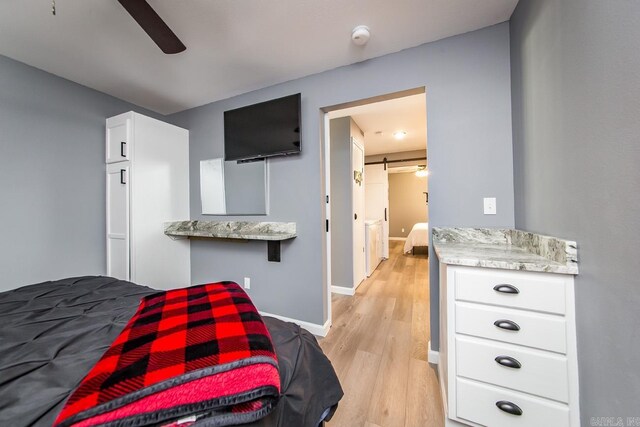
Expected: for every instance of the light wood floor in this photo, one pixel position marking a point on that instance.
(378, 347)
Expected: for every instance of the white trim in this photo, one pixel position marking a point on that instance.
(343, 290)
(327, 206)
(314, 328)
(398, 238)
(433, 356)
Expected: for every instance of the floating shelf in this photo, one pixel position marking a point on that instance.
(272, 232)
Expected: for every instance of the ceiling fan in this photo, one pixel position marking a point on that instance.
(153, 25)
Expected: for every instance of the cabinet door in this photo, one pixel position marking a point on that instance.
(118, 220)
(118, 139)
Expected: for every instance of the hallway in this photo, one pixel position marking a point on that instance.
(378, 346)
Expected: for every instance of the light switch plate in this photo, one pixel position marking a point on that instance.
(489, 205)
(247, 283)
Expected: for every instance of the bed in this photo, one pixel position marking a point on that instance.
(54, 332)
(418, 237)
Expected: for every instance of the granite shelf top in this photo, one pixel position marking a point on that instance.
(505, 249)
(243, 230)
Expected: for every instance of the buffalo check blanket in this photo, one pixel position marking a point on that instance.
(198, 356)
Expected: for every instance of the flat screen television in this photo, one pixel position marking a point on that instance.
(267, 129)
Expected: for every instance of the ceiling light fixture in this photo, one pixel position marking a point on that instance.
(422, 171)
(399, 134)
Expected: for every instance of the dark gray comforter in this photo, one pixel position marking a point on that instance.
(52, 333)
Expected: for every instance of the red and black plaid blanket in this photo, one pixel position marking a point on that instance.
(199, 355)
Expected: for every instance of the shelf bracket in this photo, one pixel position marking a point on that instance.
(273, 250)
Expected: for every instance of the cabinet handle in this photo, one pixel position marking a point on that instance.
(355, 216)
(505, 288)
(122, 171)
(509, 362)
(509, 407)
(507, 324)
(122, 144)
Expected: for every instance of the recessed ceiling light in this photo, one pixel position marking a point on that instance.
(399, 134)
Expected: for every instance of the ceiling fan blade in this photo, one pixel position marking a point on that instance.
(153, 25)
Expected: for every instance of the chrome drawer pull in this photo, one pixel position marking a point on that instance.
(507, 324)
(509, 362)
(509, 407)
(505, 288)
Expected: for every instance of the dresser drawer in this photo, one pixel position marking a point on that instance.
(476, 402)
(531, 291)
(543, 331)
(541, 373)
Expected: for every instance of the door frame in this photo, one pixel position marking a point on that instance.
(326, 170)
(327, 199)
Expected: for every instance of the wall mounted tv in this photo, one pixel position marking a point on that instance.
(267, 129)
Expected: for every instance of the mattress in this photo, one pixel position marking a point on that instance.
(418, 236)
(54, 332)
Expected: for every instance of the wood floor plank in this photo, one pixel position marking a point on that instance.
(423, 407)
(420, 330)
(388, 398)
(359, 379)
(403, 310)
(342, 353)
(376, 338)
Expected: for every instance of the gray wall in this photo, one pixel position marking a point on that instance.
(407, 202)
(52, 154)
(341, 203)
(576, 110)
(467, 79)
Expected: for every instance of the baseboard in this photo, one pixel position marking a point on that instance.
(342, 290)
(398, 238)
(314, 328)
(433, 356)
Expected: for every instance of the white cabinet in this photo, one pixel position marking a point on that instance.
(147, 185)
(508, 347)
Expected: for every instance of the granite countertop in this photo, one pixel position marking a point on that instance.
(243, 230)
(505, 249)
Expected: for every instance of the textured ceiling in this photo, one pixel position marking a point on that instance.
(233, 46)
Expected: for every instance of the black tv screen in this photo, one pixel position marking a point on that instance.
(270, 128)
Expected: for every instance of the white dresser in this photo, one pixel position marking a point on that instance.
(147, 184)
(507, 337)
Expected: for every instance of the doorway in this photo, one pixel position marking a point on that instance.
(391, 130)
(380, 322)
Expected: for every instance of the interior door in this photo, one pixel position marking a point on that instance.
(377, 200)
(118, 220)
(358, 185)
